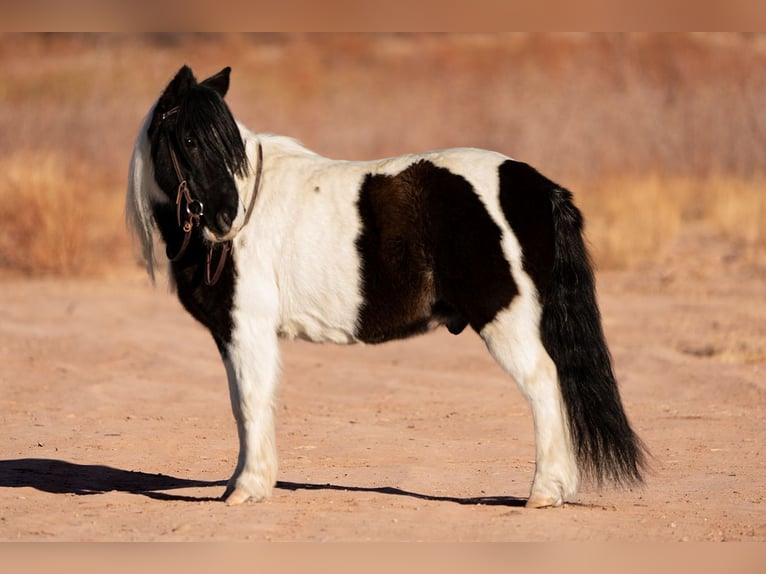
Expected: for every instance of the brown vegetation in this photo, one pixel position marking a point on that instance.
(650, 131)
(633, 219)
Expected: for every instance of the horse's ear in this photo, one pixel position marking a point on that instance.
(181, 83)
(178, 87)
(219, 82)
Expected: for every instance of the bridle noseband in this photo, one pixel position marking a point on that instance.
(195, 210)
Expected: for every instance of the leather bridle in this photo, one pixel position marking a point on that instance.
(195, 210)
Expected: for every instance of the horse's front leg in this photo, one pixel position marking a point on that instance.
(252, 368)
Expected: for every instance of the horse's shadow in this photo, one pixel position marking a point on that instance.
(62, 477)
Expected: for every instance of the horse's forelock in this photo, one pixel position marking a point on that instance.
(204, 113)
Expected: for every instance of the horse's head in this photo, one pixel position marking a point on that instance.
(194, 138)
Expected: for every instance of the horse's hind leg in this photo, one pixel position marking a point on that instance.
(252, 368)
(513, 339)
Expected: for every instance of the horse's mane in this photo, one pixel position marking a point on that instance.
(141, 187)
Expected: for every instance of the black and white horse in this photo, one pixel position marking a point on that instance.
(266, 239)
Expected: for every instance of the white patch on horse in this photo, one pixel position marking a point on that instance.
(305, 239)
(513, 339)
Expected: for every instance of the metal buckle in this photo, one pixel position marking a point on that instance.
(195, 207)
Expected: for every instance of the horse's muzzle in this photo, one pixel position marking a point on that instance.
(223, 221)
(220, 229)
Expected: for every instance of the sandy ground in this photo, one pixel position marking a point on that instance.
(116, 423)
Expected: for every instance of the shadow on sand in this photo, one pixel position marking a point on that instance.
(62, 477)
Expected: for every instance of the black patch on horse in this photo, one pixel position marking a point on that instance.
(211, 305)
(429, 252)
(194, 120)
(525, 198)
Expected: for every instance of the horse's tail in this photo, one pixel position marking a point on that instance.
(605, 445)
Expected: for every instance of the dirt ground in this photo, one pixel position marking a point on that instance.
(116, 422)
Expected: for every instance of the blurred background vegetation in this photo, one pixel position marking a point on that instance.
(654, 133)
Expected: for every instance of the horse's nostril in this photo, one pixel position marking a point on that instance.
(224, 221)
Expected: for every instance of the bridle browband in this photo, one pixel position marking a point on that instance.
(195, 209)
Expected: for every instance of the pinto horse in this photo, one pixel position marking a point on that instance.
(266, 239)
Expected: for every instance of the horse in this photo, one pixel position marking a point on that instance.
(265, 239)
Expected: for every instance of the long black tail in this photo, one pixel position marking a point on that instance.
(605, 445)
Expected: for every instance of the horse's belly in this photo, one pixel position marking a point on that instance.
(313, 328)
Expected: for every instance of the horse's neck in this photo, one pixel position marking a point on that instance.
(282, 145)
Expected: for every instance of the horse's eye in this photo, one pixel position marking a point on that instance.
(190, 142)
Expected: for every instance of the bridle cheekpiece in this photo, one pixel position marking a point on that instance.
(195, 210)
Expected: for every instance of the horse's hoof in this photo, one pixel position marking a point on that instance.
(243, 490)
(237, 496)
(543, 501)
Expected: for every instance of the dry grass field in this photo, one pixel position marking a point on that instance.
(650, 131)
(114, 417)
